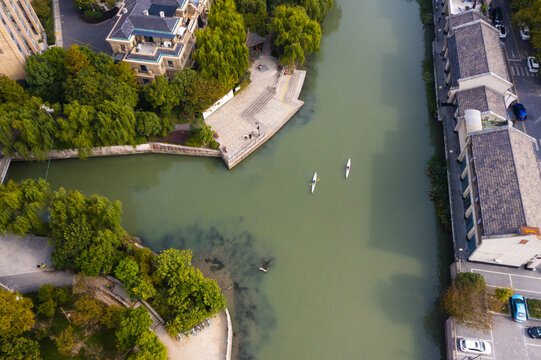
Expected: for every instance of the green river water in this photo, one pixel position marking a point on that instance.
(356, 267)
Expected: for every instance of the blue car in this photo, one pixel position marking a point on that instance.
(518, 308)
(520, 111)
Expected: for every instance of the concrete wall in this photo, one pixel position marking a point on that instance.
(149, 148)
(507, 250)
(491, 81)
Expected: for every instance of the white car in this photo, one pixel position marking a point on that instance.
(533, 64)
(524, 32)
(502, 31)
(474, 346)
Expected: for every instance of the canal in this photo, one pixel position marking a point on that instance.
(358, 265)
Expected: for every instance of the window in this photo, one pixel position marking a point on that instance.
(144, 68)
(146, 81)
(170, 63)
(122, 47)
(1, 51)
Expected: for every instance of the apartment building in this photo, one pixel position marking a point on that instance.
(157, 37)
(21, 35)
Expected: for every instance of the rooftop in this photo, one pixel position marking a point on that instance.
(465, 17)
(508, 180)
(483, 99)
(459, 6)
(134, 21)
(475, 49)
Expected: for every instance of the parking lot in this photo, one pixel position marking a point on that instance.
(527, 84)
(509, 339)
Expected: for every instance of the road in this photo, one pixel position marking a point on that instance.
(527, 85)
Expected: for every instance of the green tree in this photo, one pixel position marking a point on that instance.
(255, 15)
(296, 34)
(23, 205)
(133, 324)
(114, 124)
(527, 12)
(76, 129)
(27, 130)
(466, 301)
(47, 304)
(437, 171)
(85, 232)
(148, 123)
(19, 348)
(196, 92)
(42, 8)
(190, 296)
(111, 317)
(46, 74)
(88, 311)
(127, 271)
(76, 59)
(221, 51)
(12, 92)
(16, 315)
(150, 348)
(316, 9)
(161, 96)
(65, 341)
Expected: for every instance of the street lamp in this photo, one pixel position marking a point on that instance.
(49, 111)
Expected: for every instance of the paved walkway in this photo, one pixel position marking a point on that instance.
(57, 25)
(259, 111)
(19, 258)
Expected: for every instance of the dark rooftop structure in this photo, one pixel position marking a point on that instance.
(465, 17)
(483, 99)
(136, 21)
(474, 50)
(508, 180)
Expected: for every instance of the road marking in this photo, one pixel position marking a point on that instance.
(503, 273)
(513, 70)
(530, 291)
(470, 354)
(533, 344)
(536, 146)
(510, 281)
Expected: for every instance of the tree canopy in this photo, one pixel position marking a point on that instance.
(23, 206)
(466, 301)
(190, 296)
(16, 315)
(221, 51)
(86, 232)
(127, 271)
(527, 11)
(296, 34)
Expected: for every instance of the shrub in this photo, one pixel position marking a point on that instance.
(65, 341)
(47, 308)
(62, 294)
(437, 171)
(214, 144)
(194, 141)
(110, 3)
(93, 14)
(503, 294)
(89, 311)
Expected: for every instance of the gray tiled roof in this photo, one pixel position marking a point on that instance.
(482, 99)
(134, 18)
(475, 49)
(465, 17)
(508, 180)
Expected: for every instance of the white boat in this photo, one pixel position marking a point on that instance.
(348, 167)
(314, 181)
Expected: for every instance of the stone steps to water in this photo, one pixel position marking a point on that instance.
(258, 104)
(291, 86)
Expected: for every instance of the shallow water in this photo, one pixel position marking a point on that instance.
(357, 266)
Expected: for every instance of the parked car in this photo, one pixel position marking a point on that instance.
(518, 305)
(474, 346)
(497, 15)
(519, 111)
(524, 31)
(502, 30)
(533, 64)
(535, 332)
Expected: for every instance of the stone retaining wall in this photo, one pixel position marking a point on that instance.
(148, 148)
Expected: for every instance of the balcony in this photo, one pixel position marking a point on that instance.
(153, 52)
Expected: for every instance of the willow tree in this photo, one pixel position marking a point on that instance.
(221, 51)
(296, 34)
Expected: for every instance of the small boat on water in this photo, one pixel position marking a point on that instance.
(348, 167)
(314, 181)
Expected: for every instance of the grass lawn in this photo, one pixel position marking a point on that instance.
(534, 308)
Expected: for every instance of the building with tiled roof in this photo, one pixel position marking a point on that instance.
(157, 37)
(501, 185)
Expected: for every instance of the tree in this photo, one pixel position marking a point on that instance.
(316, 9)
(85, 232)
(19, 348)
(89, 311)
(255, 15)
(148, 123)
(221, 51)
(23, 206)
(27, 130)
(12, 92)
(196, 92)
(76, 59)
(111, 317)
(296, 34)
(161, 96)
(127, 271)
(65, 341)
(133, 324)
(190, 296)
(47, 303)
(16, 315)
(42, 8)
(46, 73)
(527, 12)
(76, 130)
(466, 301)
(114, 124)
(150, 348)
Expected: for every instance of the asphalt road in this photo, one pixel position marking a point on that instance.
(527, 85)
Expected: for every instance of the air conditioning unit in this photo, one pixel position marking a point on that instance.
(167, 44)
(162, 14)
(145, 12)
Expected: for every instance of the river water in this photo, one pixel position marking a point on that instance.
(357, 266)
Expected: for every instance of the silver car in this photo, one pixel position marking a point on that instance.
(474, 346)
